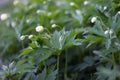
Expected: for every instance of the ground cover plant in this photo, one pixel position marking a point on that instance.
(60, 40)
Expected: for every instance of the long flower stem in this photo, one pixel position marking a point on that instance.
(22, 44)
(66, 61)
(58, 67)
(114, 64)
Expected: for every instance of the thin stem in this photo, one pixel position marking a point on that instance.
(22, 43)
(66, 61)
(113, 57)
(58, 67)
(114, 64)
(102, 21)
(47, 30)
(119, 56)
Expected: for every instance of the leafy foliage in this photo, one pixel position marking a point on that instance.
(60, 40)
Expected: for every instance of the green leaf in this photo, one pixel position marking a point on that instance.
(42, 75)
(23, 67)
(108, 43)
(26, 51)
(41, 54)
(52, 75)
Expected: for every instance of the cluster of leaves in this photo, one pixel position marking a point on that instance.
(74, 44)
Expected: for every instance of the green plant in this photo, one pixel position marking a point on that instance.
(60, 40)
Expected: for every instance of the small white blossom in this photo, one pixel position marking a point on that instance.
(16, 2)
(22, 37)
(38, 11)
(11, 65)
(30, 36)
(72, 3)
(39, 28)
(106, 32)
(4, 67)
(54, 25)
(4, 16)
(119, 12)
(13, 24)
(78, 11)
(28, 20)
(105, 7)
(94, 19)
(60, 39)
(109, 31)
(86, 3)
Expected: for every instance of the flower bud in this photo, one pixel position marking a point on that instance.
(86, 3)
(30, 36)
(4, 67)
(22, 37)
(11, 65)
(106, 32)
(72, 3)
(119, 12)
(39, 29)
(105, 7)
(94, 19)
(54, 25)
(4, 16)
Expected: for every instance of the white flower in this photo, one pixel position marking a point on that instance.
(22, 37)
(61, 38)
(38, 11)
(39, 28)
(4, 16)
(93, 20)
(13, 24)
(78, 11)
(106, 32)
(119, 12)
(105, 7)
(60, 41)
(28, 20)
(54, 25)
(86, 3)
(30, 36)
(72, 3)
(109, 31)
(4, 67)
(16, 2)
(11, 64)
